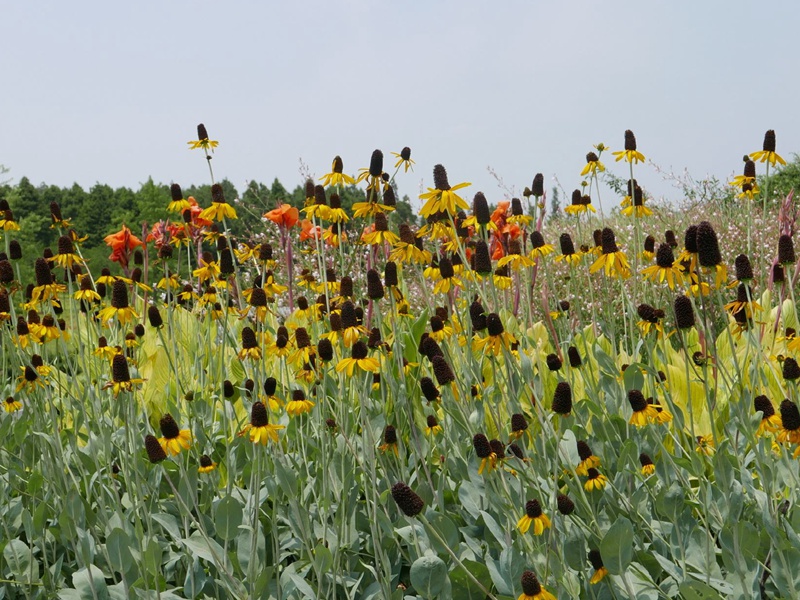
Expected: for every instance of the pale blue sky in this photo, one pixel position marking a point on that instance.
(112, 91)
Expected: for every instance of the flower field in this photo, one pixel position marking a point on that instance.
(489, 401)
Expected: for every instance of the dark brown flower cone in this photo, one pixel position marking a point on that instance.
(407, 499)
(154, 450)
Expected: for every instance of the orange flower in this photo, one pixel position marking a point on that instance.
(121, 243)
(309, 231)
(196, 209)
(499, 214)
(498, 251)
(285, 215)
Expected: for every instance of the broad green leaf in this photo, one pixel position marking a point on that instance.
(616, 548)
(464, 587)
(90, 583)
(228, 518)
(427, 575)
(119, 554)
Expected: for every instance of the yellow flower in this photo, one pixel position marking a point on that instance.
(358, 359)
(219, 211)
(299, 405)
(596, 480)
(203, 141)
(599, 569)
(532, 590)
(173, 439)
(705, 444)
(261, 431)
(336, 176)
(10, 405)
(442, 197)
(404, 159)
(533, 515)
(643, 412)
(768, 154)
(593, 165)
(206, 464)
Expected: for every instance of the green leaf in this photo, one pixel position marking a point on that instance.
(20, 561)
(633, 379)
(697, 590)
(445, 528)
(427, 575)
(616, 548)
(463, 586)
(90, 587)
(119, 554)
(228, 518)
(323, 559)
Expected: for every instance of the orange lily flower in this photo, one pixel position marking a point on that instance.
(308, 231)
(121, 244)
(499, 214)
(196, 209)
(285, 215)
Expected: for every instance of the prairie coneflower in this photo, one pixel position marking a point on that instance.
(11, 405)
(597, 564)
(588, 459)
(45, 288)
(747, 181)
(539, 249)
(564, 504)
(634, 205)
(448, 278)
(155, 453)
(483, 450)
(568, 253)
(119, 305)
(519, 424)
(173, 439)
(358, 358)
(29, 379)
(705, 444)
(648, 468)
(299, 404)
(744, 302)
(203, 141)
(770, 422)
(497, 338)
(596, 480)
(178, 203)
(432, 426)
(593, 165)
(611, 260)
(206, 464)
(642, 411)
(261, 431)
(532, 589)
(665, 269)
(381, 232)
(120, 376)
(250, 348)
(630, 154)
(219, 209)
(337, 175)
(562, 399)
(481, 216)
(533, 515)
(66, 256)
(404, 159)
(407, 500)
(389, 440)
(767, 153)
(442, 197)
(650, 319)
(708, 254)
(406, 248)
